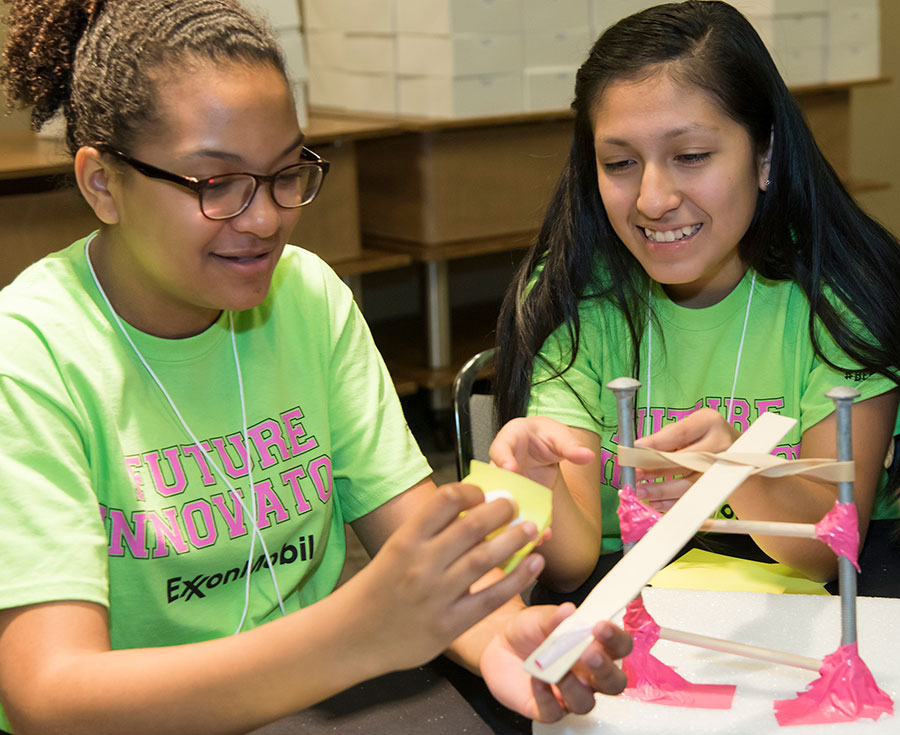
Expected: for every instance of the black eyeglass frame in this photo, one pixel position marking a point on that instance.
(198, 186)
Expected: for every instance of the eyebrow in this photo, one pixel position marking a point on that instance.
(235, 158)
(674, 133)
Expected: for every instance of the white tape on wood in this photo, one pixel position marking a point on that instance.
(556, 655)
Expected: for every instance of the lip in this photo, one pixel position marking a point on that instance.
(249, 263)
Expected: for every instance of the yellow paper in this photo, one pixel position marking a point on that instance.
(534, 500)
(704, 570)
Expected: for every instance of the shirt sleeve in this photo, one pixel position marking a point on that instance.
(376, 456)
(52, 539)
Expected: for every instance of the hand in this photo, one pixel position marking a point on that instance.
(534, 446)
(703, 430)
(415, 596)
(595, 671)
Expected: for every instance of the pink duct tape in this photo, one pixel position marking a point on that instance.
(845, 691)
(839, 528)
(635, 517)
(650, 680)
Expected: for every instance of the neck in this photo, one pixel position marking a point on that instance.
(141, 306)
(707, 292)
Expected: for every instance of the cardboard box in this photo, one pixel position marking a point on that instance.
(853, 61)
(780, 7)
(483, 95)
(801, 67)
(370, 53)
(325, 49)
(791, 31)
(301, 103)
(550, 88)
(557, 48)
(282, 14)
(459, 184)
(555, 15)
(368, 92)
(325, 87)
(854, 24)
(330, 225)
(605, 13)
(369, 16)
(459, 54)
(442, 17)
(325, 15)
(294, 50)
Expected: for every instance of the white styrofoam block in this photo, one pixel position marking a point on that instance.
(280, 13)
(325, 15)
(807, 625)
(441, 17)
(842, 4)
(369, 53)
(853, 25)
(325, 49)
(292, 45)
(791, 31)
(801, 66)
(459, 54)
(550, 88)
(557, 48)
(605, 13)
(853, 61)
(780, 7)
(483, 95)
(301, 103)
(552, 15)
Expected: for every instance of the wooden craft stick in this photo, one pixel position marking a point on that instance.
(740, 649)
(769, 528)
(557, 654)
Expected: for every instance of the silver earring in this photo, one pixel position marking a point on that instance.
(767, 183)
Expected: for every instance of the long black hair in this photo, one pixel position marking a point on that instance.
(100, 61)
(805, 227)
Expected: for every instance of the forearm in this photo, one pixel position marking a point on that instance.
(574, 546)
(792, 500)
(227, 685)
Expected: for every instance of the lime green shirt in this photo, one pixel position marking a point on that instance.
(693, 366)
(106, 498)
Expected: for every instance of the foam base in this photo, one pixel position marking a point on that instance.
(809, 625)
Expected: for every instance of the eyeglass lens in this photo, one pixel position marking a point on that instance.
(226, 196)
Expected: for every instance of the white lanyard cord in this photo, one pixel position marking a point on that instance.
(251, 514)
(737, 364)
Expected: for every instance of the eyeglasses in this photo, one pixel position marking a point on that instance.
(228, 195)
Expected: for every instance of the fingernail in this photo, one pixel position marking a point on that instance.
(531, 530)
(535, 564)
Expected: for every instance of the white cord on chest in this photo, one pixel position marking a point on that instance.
(249, 513)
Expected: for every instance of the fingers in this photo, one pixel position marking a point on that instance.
(667, 490)
(705, 429)
(536, 439)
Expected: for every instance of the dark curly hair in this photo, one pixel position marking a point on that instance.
(97, 60)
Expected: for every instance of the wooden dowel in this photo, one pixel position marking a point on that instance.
(769, 528)
(740, 649)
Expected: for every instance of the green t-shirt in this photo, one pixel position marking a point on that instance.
(693, 366)
(106, 498)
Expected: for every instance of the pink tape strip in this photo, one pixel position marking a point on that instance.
(650, 680)
(845, 691)
(839, 528)
(635, 517)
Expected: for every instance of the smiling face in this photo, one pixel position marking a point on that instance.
(679, 180)
(167, 269)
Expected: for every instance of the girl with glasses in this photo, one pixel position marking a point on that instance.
(191, 411)
(699, 242)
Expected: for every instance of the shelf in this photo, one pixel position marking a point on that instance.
(426, 253)
(371, 260)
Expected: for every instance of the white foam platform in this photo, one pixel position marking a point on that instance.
(808, 625)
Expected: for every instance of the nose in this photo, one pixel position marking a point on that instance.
(659, 193)
(262, 217)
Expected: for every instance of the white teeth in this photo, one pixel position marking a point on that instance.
(670, 235)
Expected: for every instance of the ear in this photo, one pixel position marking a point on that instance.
(764, 163)
(93, 175)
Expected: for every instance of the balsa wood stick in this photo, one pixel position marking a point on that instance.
(769, 528)
(740, 649)
(559, 652)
